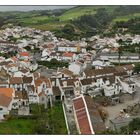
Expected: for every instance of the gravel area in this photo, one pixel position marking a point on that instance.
(114, 111)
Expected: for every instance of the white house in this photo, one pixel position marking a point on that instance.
(16, 83)
(76, 67)
(98, 64)
(68, 56)
(68, 49)
(128, 86)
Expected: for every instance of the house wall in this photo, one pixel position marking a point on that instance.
(112, 90)
(67, 49)
(43, 100)
(76, 69)
(16, 86)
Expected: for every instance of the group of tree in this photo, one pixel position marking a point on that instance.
(132, 127)
(131, 26)
(53, 64)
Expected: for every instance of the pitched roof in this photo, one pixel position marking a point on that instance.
(68, 54)
(6, 96)
(21, 95)
(24, 54)
(15, 80)
(7, 91)
(129, 67)
(96, 72)
(87, 81)
(24, 70)
(96, 120)
(81, 116)
(56, 91)
(5, 100)
(27, 79)
(70, 82)
(42, 79)
(41, 94)
(36, 75)
(14, 58)
(31, 87)
(66, 71)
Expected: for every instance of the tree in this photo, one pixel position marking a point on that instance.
(134, 125)
(120, 52)
(137, 68)
(138, 49)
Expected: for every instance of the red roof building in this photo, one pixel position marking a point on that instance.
(68, 54)
(81, 116)
(24, 54)
(87, 116)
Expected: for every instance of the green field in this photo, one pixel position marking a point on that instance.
(49, 26)
(76, 12)
(44, 21)
(54, 117)
(17, 126)
(126, 18)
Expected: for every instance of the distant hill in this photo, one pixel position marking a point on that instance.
(78, 11)
(57, 19)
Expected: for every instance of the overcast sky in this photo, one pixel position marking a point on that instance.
(30, 8)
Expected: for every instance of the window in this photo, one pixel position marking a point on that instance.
(1, 109)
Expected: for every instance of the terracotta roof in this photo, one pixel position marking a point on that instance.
(96, 72)
(66, 71)
(24, 70)
(81, 116)
(24, 54)
(68, 54)
(6, 96)
(21, 95)
(4, 100)
(7, 91)
(87, 81)
(56, 91)
(40, 80)
(31, 87)
(70, 82)
(46, 80)
(27, 79)
(41, 94)
(36, 75)
(15, 80)
(119, 69)
(14, 58)
(129, 67)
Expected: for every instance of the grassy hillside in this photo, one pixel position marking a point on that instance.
(38, 20)
(50, 20)
(78, 11)
(126, 17)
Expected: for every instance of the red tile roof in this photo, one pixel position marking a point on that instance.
(81, 116)
(24, 54)
(68, 54)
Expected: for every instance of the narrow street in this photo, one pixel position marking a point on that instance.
(70, 117)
